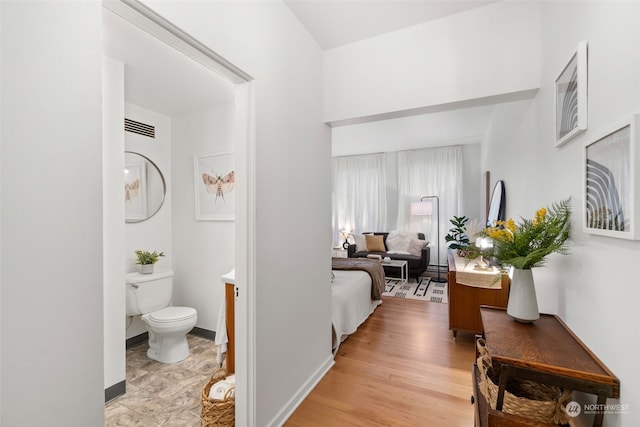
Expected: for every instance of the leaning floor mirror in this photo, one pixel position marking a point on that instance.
(497, 204)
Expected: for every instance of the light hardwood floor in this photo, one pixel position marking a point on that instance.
(402, 367)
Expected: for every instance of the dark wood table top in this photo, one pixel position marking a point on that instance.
(546, 345)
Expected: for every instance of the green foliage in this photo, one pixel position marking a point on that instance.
(526, 244)
(146, 257)
(457, 239)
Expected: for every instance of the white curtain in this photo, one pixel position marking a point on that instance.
(430, 172)
(359, 194)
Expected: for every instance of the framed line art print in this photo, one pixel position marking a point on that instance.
(610, 199)
(571, 97)
(215, 180)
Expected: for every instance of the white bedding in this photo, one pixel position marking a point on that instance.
(351, 303)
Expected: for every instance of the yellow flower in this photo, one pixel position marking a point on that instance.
(526, 244)
(502, 230)
(540, 216)
(502, 234)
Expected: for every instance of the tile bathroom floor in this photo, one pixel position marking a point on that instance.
(163, 394)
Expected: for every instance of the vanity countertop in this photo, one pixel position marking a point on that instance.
(229, 277)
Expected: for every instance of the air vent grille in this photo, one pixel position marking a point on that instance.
(139, 128)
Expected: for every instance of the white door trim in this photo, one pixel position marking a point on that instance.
(245, 327)
(244, 136)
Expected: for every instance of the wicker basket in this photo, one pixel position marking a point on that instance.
(528, 399)
(217, 413)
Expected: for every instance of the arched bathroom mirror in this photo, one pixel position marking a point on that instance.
(144, 187)
(497, 204)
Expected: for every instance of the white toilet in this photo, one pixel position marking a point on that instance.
(149, 295)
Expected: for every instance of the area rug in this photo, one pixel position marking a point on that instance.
(423, 290)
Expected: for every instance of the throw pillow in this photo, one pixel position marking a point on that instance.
(361, 243)
(415, 247)
(398, 241)
(375, 243)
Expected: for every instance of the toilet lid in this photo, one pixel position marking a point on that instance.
(172, 314)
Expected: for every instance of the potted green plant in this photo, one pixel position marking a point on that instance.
(457, 237)
(147, 259)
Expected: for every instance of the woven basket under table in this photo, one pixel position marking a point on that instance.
(214, 412)
(528, 399)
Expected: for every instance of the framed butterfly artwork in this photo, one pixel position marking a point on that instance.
(215, 180)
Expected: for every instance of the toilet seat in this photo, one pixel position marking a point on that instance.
(172, 314)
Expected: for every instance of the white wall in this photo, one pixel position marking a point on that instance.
(51, 220)
(156, 233)
(472, 188)
(292, 190)
(203, 250)
(1, 84)
(487, 51)
(113, 224)
(593, 289)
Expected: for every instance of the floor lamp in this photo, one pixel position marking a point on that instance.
(425, 208)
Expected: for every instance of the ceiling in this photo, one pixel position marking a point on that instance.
(157, 76)
(161, 79)
(334, 23)
(455, 127)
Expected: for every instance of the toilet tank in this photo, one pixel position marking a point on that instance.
(148, 292)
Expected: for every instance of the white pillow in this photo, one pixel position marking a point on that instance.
(416, 246)
(361, 242)
(399, 240)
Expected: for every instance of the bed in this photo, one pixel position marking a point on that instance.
(356, 291)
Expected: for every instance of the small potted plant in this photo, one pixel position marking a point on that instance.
(147, 259)
(457, 237)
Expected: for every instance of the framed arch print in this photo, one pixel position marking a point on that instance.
(571, 97)
(611, 179)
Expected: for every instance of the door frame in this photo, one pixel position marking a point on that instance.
(244, 138)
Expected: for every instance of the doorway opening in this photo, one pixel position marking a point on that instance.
(205, 64)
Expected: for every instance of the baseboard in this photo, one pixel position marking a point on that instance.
(283, 415)
(133, 341)
(204, 333)
(114, 391)
(143, 337)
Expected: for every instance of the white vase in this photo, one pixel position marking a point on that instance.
(146, 268)
(523, 304)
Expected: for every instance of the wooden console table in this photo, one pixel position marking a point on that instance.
(546, 351)
(465, 300)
